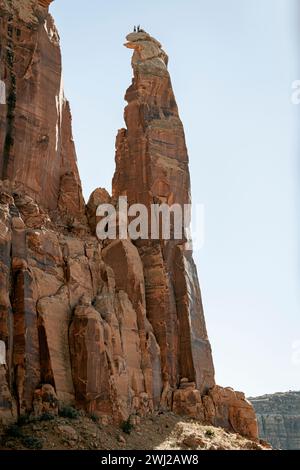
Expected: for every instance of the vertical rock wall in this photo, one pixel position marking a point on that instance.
(36, 144)
(152, 168)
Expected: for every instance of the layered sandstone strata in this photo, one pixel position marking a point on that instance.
(279, 419)
(36, 145)
(152, 167)
(116, 328)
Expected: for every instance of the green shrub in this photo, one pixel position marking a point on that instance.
(14, 431)
(94, 418)
(209, 433)
(46, 417)
(31, 442)
(126, 426)
(68, 412)
(23, 419)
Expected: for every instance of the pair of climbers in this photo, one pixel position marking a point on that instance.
(137, 29)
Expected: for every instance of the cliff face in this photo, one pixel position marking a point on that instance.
(279, 419)
(115, 327)
(36, 146)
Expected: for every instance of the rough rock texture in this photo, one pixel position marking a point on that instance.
(37, 115)
(152, 167)
(278, 418)
(45, 3)
(163, 431)
(116, 327)
(99, 196)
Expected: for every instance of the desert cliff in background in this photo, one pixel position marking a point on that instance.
(115, 328)
(278, 418)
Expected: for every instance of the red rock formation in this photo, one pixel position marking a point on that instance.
(36, 144)
(116, 328)
(45, 3)
(151, 167)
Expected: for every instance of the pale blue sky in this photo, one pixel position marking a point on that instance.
(232, 65)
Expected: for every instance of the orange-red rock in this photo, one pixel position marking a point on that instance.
(152, 167)
(36, 144)
(116, 328)
(45, 3)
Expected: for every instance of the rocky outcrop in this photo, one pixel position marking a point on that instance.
(115, 327)
(36, 145)
(74, 319)
(222, 407)
(278, 418)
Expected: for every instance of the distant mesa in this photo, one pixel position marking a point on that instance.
(278, 418)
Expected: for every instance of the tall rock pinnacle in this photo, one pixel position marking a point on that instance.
(152, 167)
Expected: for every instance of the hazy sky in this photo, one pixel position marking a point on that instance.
(232, 65)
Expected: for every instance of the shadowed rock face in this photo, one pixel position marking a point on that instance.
(152, 167)
(278, 418)
(36, 144)
(116, 328)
